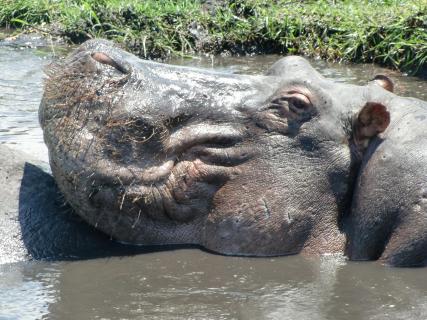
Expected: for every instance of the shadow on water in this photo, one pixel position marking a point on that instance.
(79, 273)
(51, 231)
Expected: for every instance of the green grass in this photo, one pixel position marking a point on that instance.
(389, 32)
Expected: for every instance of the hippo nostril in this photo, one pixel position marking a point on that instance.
(105, 59)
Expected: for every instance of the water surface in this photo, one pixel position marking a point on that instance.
(190, 283)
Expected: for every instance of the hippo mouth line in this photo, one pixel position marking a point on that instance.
(198, 161)
(201, 145)
(187, 186)
(200, 155)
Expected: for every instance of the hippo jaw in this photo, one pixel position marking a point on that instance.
(154, 154)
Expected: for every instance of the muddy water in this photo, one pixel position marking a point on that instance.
(190, 283)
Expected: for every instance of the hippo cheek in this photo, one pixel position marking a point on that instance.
(183, 195)
(251, 216)
(187, 193)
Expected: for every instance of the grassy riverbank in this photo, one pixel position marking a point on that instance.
(389, 32)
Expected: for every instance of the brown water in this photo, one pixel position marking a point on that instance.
(190, 283)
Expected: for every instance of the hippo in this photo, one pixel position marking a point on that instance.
(276, 164)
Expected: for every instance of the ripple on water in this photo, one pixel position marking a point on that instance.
(191, 284)
(27, 290)
(20, 93)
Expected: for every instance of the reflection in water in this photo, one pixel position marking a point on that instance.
(27, 290)
(192, 284)
(370, 291)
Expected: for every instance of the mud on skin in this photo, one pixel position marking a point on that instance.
(264, 165)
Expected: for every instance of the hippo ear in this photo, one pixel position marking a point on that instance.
(384, 81)
(371, 120)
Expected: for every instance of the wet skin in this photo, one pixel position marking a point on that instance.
(35, 222)
(388, 218)
(243, 165)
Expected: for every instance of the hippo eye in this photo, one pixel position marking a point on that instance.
(286, 112)
(298, 102)
(294, 101)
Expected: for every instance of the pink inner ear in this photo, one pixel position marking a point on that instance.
(374, 117)
(372, 120)
(380, 117)
(384, 81)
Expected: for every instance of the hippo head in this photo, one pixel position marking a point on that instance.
(247, 165)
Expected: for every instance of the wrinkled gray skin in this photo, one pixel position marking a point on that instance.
(36, 224)
(242, 165)
(388, 220)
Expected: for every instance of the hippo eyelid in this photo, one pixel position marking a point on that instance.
(300, 96)
(296, 101)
